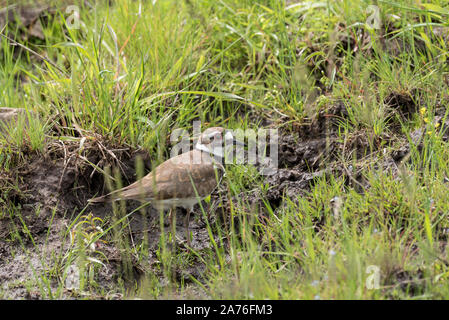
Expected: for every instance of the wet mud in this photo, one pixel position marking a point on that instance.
(53, 190)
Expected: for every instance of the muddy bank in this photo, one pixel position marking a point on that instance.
(53, 189)
(315, 150)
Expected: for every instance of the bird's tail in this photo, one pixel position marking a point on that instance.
(126, 193)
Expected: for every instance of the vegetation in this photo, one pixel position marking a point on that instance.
(136, 70)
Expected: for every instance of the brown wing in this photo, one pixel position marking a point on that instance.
(177, 177)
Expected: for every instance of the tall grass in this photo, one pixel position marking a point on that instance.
(136, 70)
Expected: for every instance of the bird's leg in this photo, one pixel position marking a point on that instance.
(204, 218)
(187, 222)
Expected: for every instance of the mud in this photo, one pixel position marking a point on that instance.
(48, 191)
(53, 189)
(305, 154)
(408, 282)
(313, 151)
(403, 103)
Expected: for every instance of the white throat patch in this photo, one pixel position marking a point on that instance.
(217, 151)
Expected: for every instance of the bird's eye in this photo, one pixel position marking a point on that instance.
(215, 135)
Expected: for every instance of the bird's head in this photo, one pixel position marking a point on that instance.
(213, 139)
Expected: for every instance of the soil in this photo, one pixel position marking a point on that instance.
(53, 189)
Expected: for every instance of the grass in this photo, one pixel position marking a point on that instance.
(136, 70)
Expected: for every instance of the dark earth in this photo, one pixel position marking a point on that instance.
(50, 190)
(58, 184)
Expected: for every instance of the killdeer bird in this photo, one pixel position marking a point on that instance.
(181, 181)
